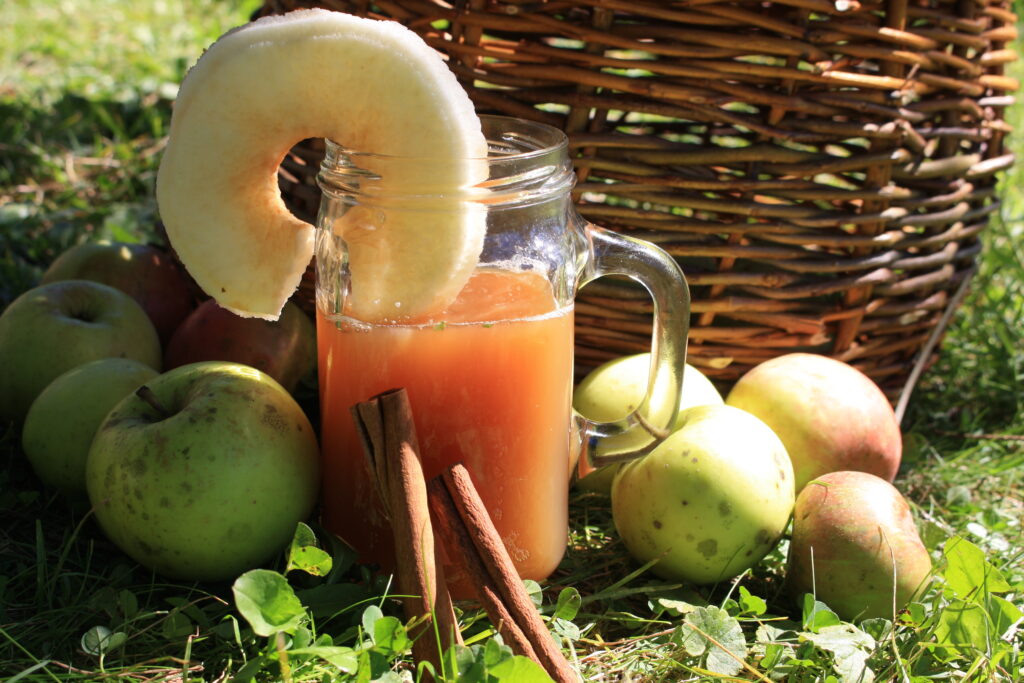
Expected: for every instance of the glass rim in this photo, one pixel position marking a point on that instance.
(538, 138)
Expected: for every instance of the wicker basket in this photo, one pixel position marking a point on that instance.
(821, 171)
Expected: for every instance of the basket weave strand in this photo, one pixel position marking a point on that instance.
(822, 171)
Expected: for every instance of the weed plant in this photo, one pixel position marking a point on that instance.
(85, 93)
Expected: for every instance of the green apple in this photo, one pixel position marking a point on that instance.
(614, 389)
(710, 501)
(62, 421)
(855, 546)
(204, 472)
(146, 273)
(830, 415)
(54, 327)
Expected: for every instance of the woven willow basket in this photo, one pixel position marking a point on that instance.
(820, 170)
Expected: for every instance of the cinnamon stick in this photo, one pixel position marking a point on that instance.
(454, 535)
(388, 434)
(504, 577)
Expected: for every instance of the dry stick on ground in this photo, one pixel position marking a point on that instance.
(388, 434)
(503, 575)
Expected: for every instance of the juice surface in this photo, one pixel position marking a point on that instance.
(490, 381)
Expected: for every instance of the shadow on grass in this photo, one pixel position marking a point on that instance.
(73, 170)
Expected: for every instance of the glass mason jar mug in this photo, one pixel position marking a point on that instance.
(490, 377)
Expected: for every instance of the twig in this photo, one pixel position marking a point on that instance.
(929, 346)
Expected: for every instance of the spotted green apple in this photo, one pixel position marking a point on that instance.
(204, 472)
(710, 501)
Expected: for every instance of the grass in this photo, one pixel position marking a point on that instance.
(85, 92)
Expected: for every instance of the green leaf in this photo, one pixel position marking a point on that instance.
(389, 634)
(767, 633)
(343, 556)
(1003, 613)
(850, 648)
(565, 629)
(267, 602)
(676, 608)
(969, 627)
(189, 609)
(176, 625)
(370, 616)
(968, 573)
(933, 535)
(773, 654)
(751, 604)
(535, 592)
(568, 605)
(342, 657)
(228, 629)
(817, 615)
(958, 495)
(495, 652)
(470, 664)
(127, 604)
(773, 646)
(877, 627)
(711, 632)
(100, 640)
(305, 555)
(301, 639)
(248, 671)
(963, 626)
(914, 614)
(519, 669)
(304, 535)
(311, 560)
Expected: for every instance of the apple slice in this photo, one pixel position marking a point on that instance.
(371, 86)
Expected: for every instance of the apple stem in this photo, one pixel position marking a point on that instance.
(656, 432)
(147, 395)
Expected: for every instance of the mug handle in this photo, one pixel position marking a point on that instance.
(610, 253)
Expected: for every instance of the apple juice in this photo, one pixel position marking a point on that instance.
(489, 380)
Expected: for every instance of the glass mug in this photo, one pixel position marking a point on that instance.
(490, 378)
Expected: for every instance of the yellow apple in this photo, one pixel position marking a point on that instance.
(614, 389)
(710, 501)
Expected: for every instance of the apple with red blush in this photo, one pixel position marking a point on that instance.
(830, 415)
(855, 546)
(285, 348)
(148, 274)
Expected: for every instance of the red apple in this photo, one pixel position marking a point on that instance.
(285, 348)
(144, 272)
(829, 415)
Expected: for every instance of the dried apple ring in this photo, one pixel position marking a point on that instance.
(371, 86)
